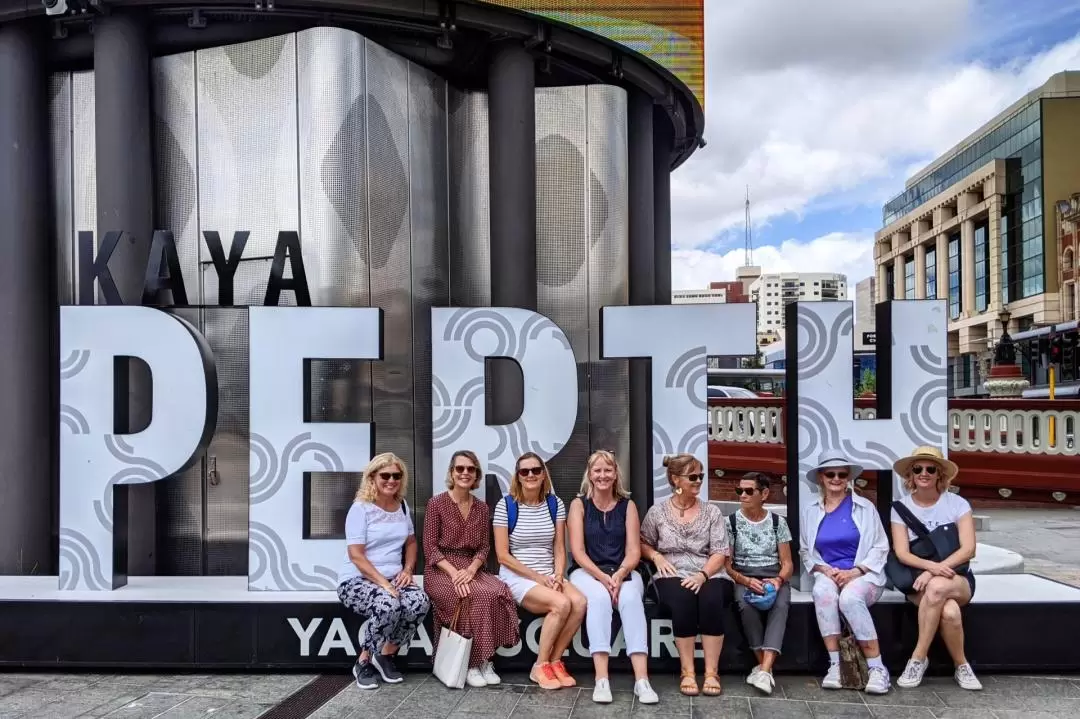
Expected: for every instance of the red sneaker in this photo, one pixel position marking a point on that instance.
(544, 676)
(563, 676)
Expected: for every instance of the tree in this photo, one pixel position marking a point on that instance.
(867, 383)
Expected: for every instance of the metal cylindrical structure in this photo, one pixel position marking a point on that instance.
(641, 251)
(28, 322)
(662, 152)
(125, 202)
(512, 199)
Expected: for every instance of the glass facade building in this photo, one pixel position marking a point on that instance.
(1018, 141)
(982, 267)
(909, 277)
(955, 289)
(931, 273)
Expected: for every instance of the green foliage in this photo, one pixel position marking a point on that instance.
(867, 383)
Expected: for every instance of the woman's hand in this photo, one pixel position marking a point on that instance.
(554, 581)
(463, 590)
(390, 589)
(403, 579)
(663, 567)
(940, 570)
(694, 582)
(922, 580)
(777, 583)
(843, 577)
(755, 585)
(614, 584)
(464, 576)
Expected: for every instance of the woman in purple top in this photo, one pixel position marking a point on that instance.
(844, 547)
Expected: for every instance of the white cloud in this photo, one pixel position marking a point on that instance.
(849, 254)
(834, 99)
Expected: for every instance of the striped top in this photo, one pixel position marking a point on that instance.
(533, 540)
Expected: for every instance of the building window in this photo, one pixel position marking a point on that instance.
(954, 276)
(890, 272)
(982, 268)
(931, 273)
(909, 278)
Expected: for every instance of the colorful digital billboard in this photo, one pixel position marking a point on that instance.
(669, 32)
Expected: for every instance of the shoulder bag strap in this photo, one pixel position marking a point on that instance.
(553, 507)
(911, 520)
(511, 514)
(731, 525)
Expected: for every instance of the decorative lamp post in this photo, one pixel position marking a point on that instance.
(1006, 379)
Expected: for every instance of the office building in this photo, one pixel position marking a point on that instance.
(772, 292)
(865, 314)
(699, 297)
(976, 227)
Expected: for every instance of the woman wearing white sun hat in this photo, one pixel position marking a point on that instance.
(942, 587)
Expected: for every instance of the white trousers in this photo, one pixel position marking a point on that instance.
(599, 612)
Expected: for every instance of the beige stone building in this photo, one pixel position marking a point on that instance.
(977, 227)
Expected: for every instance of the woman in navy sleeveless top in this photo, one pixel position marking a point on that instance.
(604, 540)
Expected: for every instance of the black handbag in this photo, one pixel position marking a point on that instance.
(935, 546)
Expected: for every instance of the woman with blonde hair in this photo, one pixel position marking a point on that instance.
(530, 542)
(943, 584)
(456, 545)
(687, 539)
(606, 546)
(376, 576)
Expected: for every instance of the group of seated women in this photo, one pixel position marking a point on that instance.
(705, 565)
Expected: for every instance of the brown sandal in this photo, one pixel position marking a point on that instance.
(688, 685)
(711, 686)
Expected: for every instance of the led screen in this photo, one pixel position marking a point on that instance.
(669, 32)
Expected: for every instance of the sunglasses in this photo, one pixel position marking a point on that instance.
(462, 469)
(390, 476)
(694, 478)
(534, 471)
(745, 490)
(930, 469)
(835, 475)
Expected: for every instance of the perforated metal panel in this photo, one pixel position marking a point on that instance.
(562, 242)
(60, 180)
(608, 218)
(470, 219)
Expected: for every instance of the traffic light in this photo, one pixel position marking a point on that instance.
(1055, 350)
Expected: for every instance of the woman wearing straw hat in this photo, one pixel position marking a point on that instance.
(940, 590)
(844, 548)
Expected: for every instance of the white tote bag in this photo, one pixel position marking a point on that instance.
(452, 656)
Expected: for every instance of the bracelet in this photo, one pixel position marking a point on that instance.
(702, 573)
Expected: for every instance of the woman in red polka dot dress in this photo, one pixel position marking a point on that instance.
(456, 545)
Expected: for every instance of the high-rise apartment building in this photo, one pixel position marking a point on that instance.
(976, 227)
(698, 297)
(772, 292)
(865, 314)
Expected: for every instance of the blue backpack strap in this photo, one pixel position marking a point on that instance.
(511, 513)
(553, 507)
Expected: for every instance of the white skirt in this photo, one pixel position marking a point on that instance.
(519, 585)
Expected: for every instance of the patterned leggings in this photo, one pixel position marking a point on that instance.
(391, 620)
(853, 601)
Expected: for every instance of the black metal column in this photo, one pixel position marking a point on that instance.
(512, 168)
(642, 258)
(663, 140)
(125, 202)
(28, 320)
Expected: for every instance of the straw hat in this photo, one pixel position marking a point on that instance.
(833, 458)
(933, 454)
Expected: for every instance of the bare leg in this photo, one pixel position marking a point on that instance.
(578, 603)
(556, 608)
(766, 659)
(685, 647)
(640, 663)
(712, 647)
(931, 602)
(600, 665)
(952, 631)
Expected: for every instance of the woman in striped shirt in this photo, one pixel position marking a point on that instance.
(530, 543)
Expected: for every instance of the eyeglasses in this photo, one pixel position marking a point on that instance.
(390, 476)
(745, 490)
(835, 475)
(930, 469)
(534, 471)
(462, 469)
(693, 478)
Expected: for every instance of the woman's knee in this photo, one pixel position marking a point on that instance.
(938, 591)
(824, 592)
(561, 606)
(951, 614)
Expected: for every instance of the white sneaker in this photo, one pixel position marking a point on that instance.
(644, 692)
(750, 676)
(832, 678)
(475, 679)
(487, 669)
(601, 693)
(913, 674)
(879, 681)
(966, 678)
(762, 681)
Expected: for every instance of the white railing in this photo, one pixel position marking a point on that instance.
(1020, 431)
(970, 430)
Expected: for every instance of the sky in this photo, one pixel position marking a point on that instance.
(825, 108)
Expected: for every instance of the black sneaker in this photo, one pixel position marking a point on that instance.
(386, 669)
(366, 676)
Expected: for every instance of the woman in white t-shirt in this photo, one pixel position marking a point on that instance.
(376, 575)
(530, 542)
(940, 591)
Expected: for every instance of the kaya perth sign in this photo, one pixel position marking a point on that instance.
(676, 339)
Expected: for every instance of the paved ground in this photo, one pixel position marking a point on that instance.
(55, 696)
(1049, 540)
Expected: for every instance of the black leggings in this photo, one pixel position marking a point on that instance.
(692, 614)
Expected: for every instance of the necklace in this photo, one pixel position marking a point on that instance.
(683, 510)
